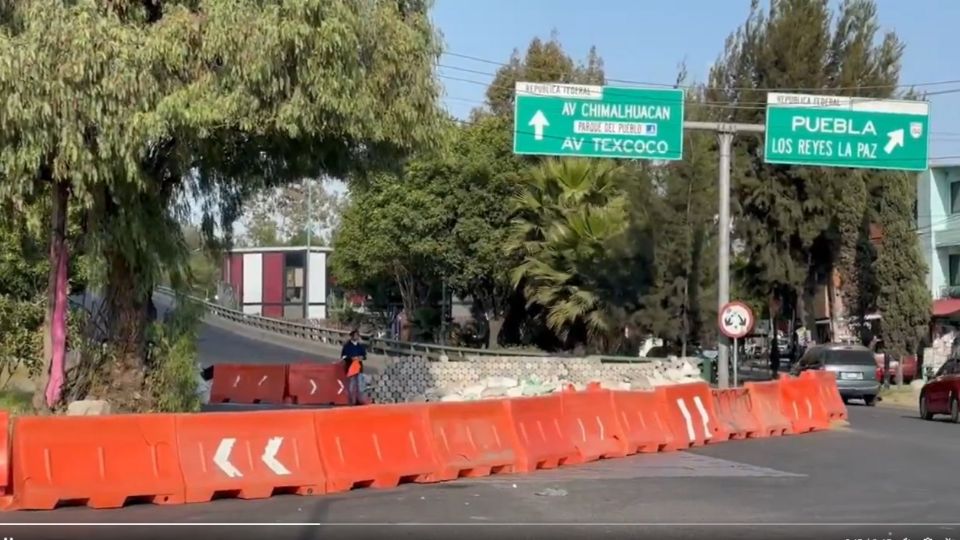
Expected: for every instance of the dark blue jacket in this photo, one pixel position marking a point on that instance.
(352, 350)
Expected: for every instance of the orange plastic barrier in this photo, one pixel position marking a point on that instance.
(317, 384)
(829, 395)
(801, 404)
(767, 409)
(642, 416)
(4, 453)
(102, 461)
(375, 446)
(690, 414)
(735, 411)
(542, 442)
(472, 439)
(590, 421)
(249, 455)
(249, 383)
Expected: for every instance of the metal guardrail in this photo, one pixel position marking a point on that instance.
(335, 337)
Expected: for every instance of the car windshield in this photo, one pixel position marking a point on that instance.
(850, 358)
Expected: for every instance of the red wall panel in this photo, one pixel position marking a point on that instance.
(236, 275)
(272, 311)
(273, 278)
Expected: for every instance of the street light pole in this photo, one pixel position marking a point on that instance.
(725, 133)
(309, 211)
(306, 259)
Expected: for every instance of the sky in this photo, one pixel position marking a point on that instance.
(646, 40)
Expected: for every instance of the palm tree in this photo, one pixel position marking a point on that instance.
(566, 213)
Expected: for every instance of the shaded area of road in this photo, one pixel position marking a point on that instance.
(887, 468)
(220, 343)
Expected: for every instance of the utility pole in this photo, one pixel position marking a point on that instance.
(309, 211)
(725, 133)
(306, 259)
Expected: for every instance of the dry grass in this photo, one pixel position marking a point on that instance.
(905, 397)
(16, 402)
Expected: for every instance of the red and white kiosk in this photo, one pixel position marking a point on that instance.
(276, 282)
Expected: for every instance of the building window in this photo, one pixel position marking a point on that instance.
(293, 278)
(955, 197)
(953, 279)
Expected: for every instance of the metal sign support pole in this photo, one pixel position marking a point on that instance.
(725, 134)
(735, 363)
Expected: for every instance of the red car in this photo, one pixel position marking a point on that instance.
(909, 368)
(941, 395)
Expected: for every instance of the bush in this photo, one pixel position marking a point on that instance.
(21, 338)
(172, 380)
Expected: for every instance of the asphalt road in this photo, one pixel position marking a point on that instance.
(218, 343)
(888, 475)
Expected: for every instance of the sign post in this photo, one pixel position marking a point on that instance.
(736, 321)
(838, 131)
(598, 121)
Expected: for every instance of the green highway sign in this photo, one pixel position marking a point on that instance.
(598, 121)
(836, 131)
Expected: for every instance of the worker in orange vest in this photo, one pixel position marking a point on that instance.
(353, 355)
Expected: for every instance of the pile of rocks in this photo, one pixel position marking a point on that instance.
(657, 373)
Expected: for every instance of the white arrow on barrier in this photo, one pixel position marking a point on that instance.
(269, 457)
(340, 391)
(313, 387)
(687, 419)
(703, 416)
(222, 458)
(236, 381)
(262, 380)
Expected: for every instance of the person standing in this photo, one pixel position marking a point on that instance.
(774, 357)
(353, 354)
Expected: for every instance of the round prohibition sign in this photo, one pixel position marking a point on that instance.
(735, 319)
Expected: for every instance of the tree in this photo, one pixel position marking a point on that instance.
(903, 299)
(283, 215)
(398, 230)
(129, 108)
(798, 224)
(490, 171)
(567, 214)
(543, 62)
(487, 171)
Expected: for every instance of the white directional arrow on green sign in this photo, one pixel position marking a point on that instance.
(598, 121)
(838, 131)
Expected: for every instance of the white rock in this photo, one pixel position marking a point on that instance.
(88, 407)
(452, 397)
(473, 390)
(494, 392)
(203, 389)
(614, 385)
(500, 382)
(516, 391)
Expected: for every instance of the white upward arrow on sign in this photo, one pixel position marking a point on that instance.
(539, 121)
(222, 458)
(896, 139)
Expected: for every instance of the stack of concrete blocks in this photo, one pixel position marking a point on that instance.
(416, 379)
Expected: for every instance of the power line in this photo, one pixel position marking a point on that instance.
(743, 105)
(672, 85)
